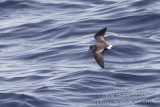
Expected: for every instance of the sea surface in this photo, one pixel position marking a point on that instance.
(45, 62)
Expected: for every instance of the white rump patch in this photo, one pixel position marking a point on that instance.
(109, 47)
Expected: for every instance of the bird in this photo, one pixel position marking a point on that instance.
(100, 47)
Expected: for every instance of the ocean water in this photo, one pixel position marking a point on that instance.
(45, 62)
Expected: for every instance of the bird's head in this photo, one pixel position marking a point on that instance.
(92, 47)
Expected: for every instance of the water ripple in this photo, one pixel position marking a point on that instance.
(45, 60)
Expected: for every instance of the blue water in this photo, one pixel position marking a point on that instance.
(45, 62)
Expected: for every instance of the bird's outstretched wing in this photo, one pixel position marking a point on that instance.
(100, 36)
(98, 56)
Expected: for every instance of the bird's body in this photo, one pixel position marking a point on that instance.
(100, 47)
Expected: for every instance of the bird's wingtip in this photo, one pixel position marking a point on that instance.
(105, 28)
(101, 32)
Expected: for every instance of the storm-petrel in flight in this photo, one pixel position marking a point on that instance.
(100, 47)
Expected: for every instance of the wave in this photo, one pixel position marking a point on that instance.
(45, 60)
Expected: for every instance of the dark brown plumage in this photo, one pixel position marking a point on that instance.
(100, 47)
